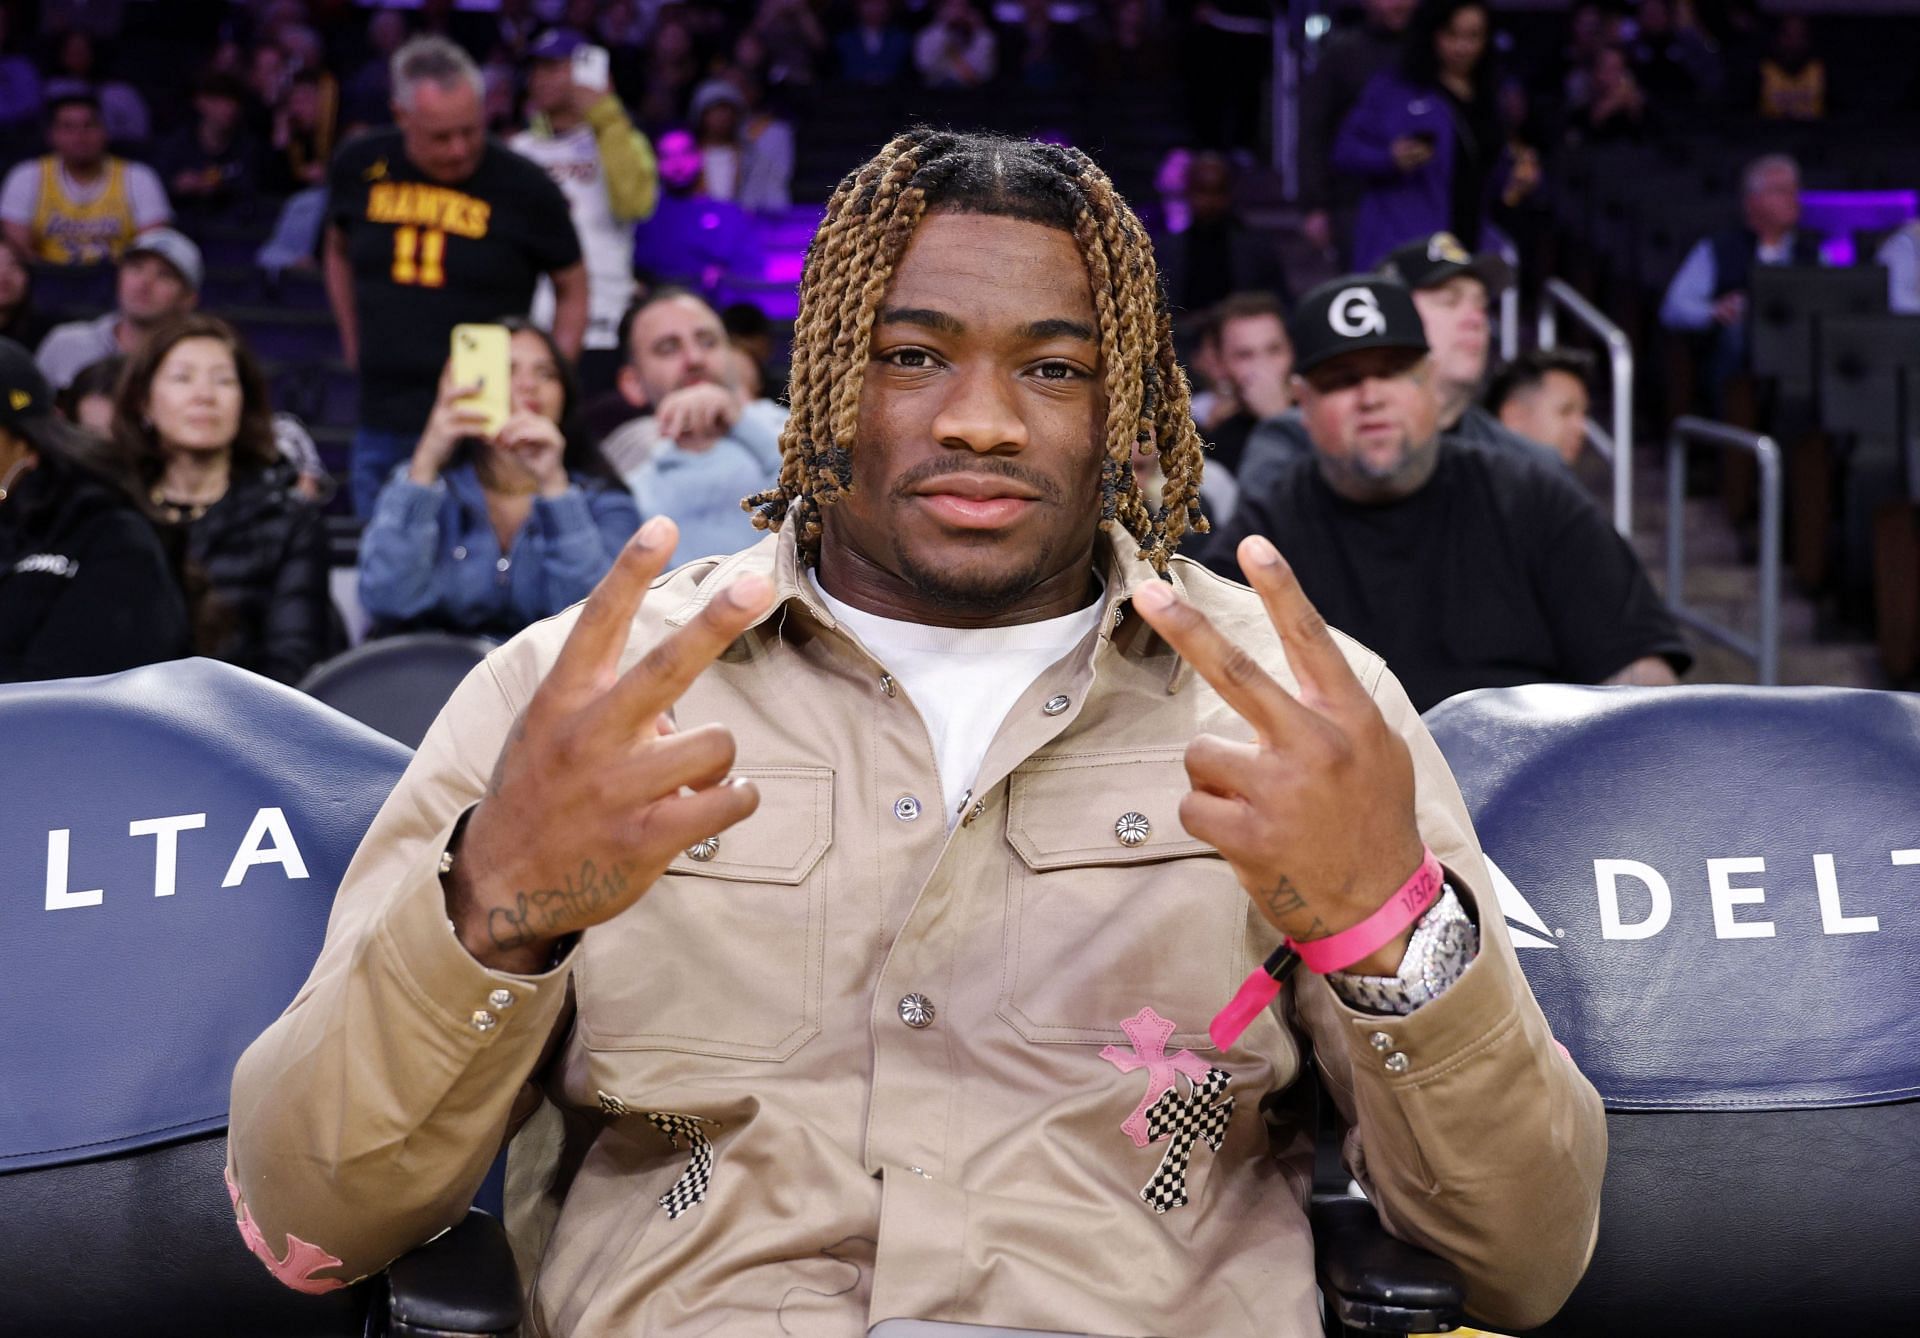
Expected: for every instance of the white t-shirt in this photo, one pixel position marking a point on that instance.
(606, 243)
(20, 194)
(964, 680)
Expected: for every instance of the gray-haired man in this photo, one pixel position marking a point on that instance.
(433, 224)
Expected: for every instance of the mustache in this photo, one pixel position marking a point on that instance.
(904, 486)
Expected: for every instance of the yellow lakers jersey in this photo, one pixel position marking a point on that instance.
(67, 231)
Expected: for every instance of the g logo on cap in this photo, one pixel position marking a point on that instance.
(1355, 312)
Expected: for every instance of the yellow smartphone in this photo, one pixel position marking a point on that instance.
(480, 359)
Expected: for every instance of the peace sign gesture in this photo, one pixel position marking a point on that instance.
(595, 792)
(1316, 816)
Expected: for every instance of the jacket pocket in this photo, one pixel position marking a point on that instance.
(724, 956)
(1096, 928)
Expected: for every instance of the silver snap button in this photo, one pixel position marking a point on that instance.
(1132, 828)
(916, 1010)
(1055, 705)
(459, 552)
(1397, 1063)
(886, 684)
(906, 808)
(483, 1020)
(1380, 1041)
(501, 998)
(979, 807)
(502, 564)
(704, 850)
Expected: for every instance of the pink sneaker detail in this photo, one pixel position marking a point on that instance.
(1149, 1034)
(302, 1261)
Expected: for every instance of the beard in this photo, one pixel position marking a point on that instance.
(976, 587)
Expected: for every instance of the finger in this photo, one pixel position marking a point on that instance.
(693, 760)
(681, 820)
(1234, 673)
(1225, 767)
(1219, 821)
(1325, 676)
(591, 655)
(663, 673)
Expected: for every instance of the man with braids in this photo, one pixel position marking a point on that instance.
(839, 922)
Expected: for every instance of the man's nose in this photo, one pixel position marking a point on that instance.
(979, 413)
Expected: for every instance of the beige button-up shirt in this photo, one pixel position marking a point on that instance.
(833, 1164)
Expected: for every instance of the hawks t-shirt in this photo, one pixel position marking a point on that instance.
(427, 257)
(1500, 571)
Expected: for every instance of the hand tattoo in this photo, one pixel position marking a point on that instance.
(550, 912)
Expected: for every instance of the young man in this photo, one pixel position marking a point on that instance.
(79, 205)
(433, 224)
(1542, 396)
(159, 279)
(806, 885)
(1465, 565)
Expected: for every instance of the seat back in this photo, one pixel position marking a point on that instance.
(1710, 889)
(171, 842)
(1861, 358)
(1785, 302)
(397, 684)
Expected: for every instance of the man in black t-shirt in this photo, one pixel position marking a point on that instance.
(1464, 566)
(433, 224)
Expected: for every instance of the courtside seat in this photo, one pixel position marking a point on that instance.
(1715, 893)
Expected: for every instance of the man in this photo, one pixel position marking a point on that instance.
(605, 168)
(810, 881)
(1542, 396)
(1248, 332)
(1707, 298)
(958, 49)
(1350, 58)
(79, 205)
(1216, 254)
(212, 164)
(433, 224)
(1463, 565)
(692, 238)
(705, 444)
(159, 279)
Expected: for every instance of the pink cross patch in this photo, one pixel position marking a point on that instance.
(302, 1261)
(1149, 1033)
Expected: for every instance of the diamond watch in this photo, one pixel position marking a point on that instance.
(1444, 943)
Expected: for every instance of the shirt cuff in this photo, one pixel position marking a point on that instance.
(1428, 964)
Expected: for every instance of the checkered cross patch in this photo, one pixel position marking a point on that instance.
(691, 1187)
(1182, 1123)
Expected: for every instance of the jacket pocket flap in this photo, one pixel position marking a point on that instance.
(780, 841)
(1072, 812)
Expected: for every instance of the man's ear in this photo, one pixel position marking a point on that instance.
(631, 388)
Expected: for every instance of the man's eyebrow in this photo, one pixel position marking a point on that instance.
(1055, 327)
(925, 317)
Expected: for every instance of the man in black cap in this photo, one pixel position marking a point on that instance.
(84, 585)
(1464, 565)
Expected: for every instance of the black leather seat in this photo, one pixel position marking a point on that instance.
(397, 684)
(170, 843)
(1712, 892)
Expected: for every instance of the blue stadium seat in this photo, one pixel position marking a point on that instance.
(1713, 891)
(397, 684)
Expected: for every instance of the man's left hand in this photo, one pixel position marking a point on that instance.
(1316, 814)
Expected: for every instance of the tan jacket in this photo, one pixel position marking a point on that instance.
(973, 1169)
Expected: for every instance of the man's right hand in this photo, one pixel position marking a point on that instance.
(694, 417)
(1730, 308)
(1410, 154)
(595, 792)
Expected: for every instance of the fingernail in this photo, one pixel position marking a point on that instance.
(654, 532)
(1153, 596)
(747, 592)
(1260, 549)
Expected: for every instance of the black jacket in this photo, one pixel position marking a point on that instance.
(262, 549)
(85, 587)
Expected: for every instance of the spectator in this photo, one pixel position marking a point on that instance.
(1256, 362)
(1616, 110)
(1542, 396)
(606, 169)
(479, 534)
(192, 413)
(1426, 141)
(707, 444)
(1463, 567)
(123, 112)
(433, 224)
(876, 51)
(1130, 49)
(793, 40)
(749, 330)
(1900, 254)
(211, 166)
(1793, 80)
(159, 279)
(85, 587)
(744, 157)
(958, 49)
(671, 72)
(88, 399)
(369, 89)
(20, 320)
(79, 205)
(1217, 253)
(1348, 61)
(303, 132)
(1707, 298)
(20, 89)
(1673, 60)
(1043, 53)
(692, 239)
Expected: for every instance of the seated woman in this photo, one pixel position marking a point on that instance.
(85, 586)
(488, 534)
(192, 414)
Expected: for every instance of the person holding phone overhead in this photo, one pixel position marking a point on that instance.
(497, 520)
(1426, 139)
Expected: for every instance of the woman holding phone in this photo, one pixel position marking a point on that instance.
(1426, 138)
(489, 528)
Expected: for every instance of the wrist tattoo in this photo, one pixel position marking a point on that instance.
(1284, 899)
(546, 913)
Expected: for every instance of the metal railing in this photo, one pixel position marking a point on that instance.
(1615, 445)
(1764, 649)
(1510, 307)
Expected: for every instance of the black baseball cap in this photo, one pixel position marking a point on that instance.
(1346, 315)
(26, 400)
(1434, 259)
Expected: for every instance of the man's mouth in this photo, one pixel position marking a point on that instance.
(974, 501)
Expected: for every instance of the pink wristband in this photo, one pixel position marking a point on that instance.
(1339, 951)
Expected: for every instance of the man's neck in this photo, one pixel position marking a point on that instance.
(1773, 237)
(1455, 400)
(564, 120)
(82, 174)
(854, 578)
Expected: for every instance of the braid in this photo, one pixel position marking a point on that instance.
(869, 223)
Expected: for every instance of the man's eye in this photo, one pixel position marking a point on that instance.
(1057, 371)
(912, 359)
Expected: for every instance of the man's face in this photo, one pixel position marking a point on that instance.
(1553, 413)
(549, 83)
(976, 468)
(77, 136)
(679, 161)
(1773, 205)
(1209, 190)
(445, 131)
(1390, 14)
(1374, 420)
(1259, 362)
(1454, 315)
(150, 290)
(675, 343)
